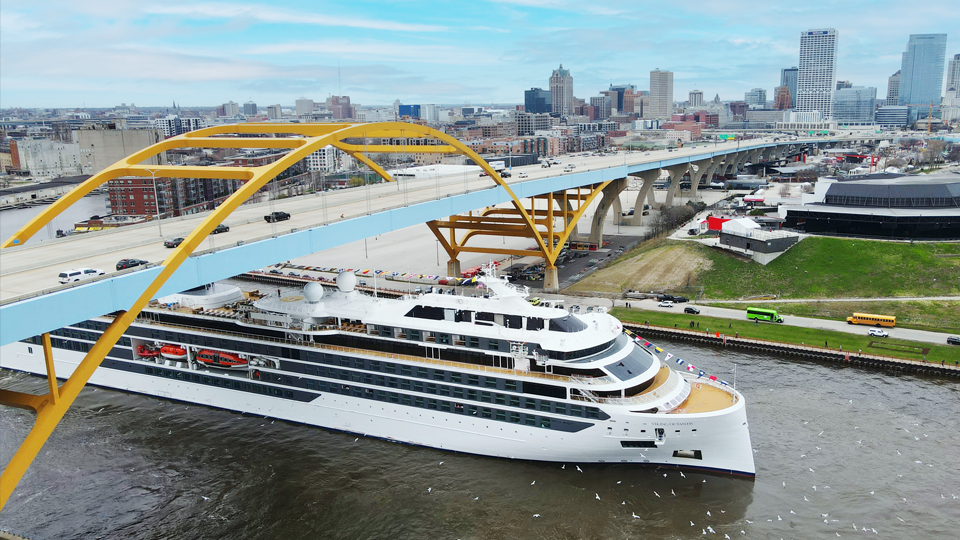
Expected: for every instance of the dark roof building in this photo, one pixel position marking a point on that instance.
(917, 207)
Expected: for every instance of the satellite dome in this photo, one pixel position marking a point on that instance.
(313, 292)
(346, 281)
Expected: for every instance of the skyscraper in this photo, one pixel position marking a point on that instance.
(757, 96)
(537, 100)
(249, 108)
(921, 73)
(561, 91)
(661, 93)
(817, 73)
(602, 106)
(788, 78)
(620, 89)
(893, 90)
(953, 73)
(696, 98)
(782, 98)
(304, 106)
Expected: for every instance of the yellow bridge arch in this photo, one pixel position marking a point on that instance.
(301, 140)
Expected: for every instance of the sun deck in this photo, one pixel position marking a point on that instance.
(705, 398)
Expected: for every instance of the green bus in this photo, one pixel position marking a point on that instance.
(760, 314)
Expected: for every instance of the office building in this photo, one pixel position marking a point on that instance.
(274, 112)
(696, 98)
(854, 105)
(953, 73)
(757, 96)
(230, 108)
(530, 123)
(782, 98)
(921, 73)
(617, 98)
(892, 116)
(561, 91)
(817, 74)
(893, 89)
(788, 78)
(661, 94)
(602, 106)
(249, 109)
(304, 106)
(537, 100)
(341, 108)
(844, 84)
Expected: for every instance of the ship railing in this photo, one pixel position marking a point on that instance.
(674, 379)
(367, 352)
(593, 380)
(587, 396)
(704, 380)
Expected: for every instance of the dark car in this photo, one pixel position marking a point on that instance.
(173, 243)
(680, 299)
(274, 217)
(953, 340)
(505, 174)
(123, 264)
(691, 309)
(220, 228)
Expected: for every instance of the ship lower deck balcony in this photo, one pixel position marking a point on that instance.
(705, 398)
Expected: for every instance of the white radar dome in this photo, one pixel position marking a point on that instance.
(346, 281)
(313, 292)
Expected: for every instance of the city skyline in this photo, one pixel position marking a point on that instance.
(101, 54)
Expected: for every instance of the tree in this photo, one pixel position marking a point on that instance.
(356, 181)
(954, 153)
(784, 190)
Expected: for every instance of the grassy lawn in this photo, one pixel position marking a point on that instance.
(814, 268)
(840, 268)
(936, 315)
(907, 350)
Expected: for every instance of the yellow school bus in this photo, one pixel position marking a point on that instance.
(872, 320)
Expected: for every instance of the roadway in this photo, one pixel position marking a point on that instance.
(790, 320)
(34, 267)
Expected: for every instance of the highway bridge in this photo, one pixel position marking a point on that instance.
(31, 302)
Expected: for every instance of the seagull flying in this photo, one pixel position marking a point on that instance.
(635, 516)
(532, 483)
(579, 469)
(655, 493)
(597, 495)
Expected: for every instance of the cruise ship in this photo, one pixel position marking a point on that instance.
(488, 374)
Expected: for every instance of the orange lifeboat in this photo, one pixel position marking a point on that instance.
(220, 359)
(173, 352)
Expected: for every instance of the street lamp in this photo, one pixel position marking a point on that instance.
(156, 199)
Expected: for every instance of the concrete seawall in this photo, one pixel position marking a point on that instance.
(872, 361)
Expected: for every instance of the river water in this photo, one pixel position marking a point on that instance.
(12, 220)
(837, 450)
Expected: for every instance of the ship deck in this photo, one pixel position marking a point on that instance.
(705, 398)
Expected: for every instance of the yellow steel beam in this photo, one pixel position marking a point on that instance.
(51, 409)
(399, 149)
(51, 373)
(361, 157)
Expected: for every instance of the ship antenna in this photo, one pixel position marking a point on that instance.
(734, 376)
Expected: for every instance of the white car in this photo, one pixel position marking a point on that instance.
(877, 332)
(665, 303)
(522, 175)
(79, 274)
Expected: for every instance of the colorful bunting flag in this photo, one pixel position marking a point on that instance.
(701, 373)
(658, 349)
(669, 356)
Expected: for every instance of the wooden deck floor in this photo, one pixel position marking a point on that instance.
(704, 399)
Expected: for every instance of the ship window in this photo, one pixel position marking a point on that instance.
(530, 403)
(414, 335)
(534, 323)
(406, 400)
(464, 316)
(545, 423)
(426, 312)
(639, 444)
(473, 380)
(593, 413)
(458, 393)
(422, 372)
(489, 382)
(529, 420)
(418, 401)
(510, 385)
(456, 378)
(515, 417)
(576, 410)
(431, 388)
(473, 342)
(486, 413)
(394, 397)
(545, 406)
(493, 345)
(438, 375)
(393, 383)
(472, 410)
(567, 324)
(381, 395)
(406, 370)
(445, 406)
(486, 397)
(514, 401)
(405, 384)
(374, 365)
(501, 416)
(500, 399)
(443, 339)
(417, 386)
(472, 394)
(484, 316)
(513, 321)
(390, 368)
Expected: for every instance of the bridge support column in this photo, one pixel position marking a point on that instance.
(706, 169)
(551, 280)
(453, 268)
(610, 193)
(646, 189)
(676, 176)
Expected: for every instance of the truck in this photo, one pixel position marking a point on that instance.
(498, 165)
(274, 217)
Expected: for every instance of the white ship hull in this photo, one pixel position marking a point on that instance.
(720, 441)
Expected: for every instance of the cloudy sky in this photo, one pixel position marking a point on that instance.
(99, 53)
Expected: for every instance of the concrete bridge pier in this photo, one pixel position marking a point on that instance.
(551, 280)
(646, 189)
(676, 176)
(706, 168)
(611, 193)
(453, 268)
